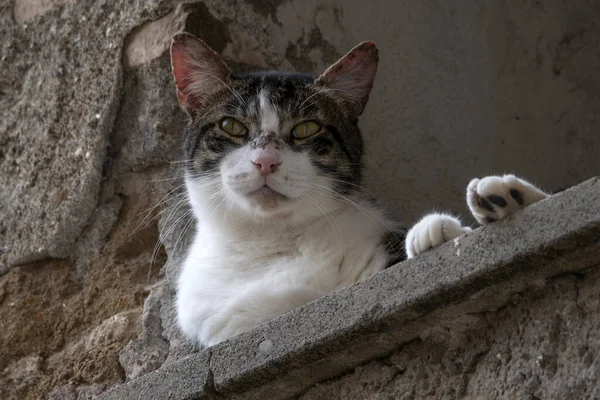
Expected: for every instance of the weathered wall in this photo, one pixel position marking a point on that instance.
(542, 345)
(89, 145)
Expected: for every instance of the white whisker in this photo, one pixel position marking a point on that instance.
(366, 212)
(327, 90)
(148, 212)
(160, 241)
(196, 86)
(179, 161)
(330, 218)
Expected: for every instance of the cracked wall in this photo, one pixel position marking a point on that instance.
(89, 146)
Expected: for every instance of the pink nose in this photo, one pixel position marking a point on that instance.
(267, 161)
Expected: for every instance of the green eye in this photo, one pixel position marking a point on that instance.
(233, 127)
(306, 130)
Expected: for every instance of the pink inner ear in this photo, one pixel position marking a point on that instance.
(181, 67)
(353, 75)
(197, 69)
(181, 70)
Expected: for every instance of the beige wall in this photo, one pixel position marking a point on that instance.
(464, 89)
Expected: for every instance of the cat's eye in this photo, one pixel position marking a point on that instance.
(232, 127)
(306, 130)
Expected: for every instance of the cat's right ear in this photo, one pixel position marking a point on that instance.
(351, 78)
(198, 71)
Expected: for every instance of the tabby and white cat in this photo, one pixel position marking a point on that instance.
(273, 175)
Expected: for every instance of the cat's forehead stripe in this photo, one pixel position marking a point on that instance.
(269, 119)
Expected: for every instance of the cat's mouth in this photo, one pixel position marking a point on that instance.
(267, 193)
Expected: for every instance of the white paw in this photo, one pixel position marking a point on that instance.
(432, 230)
(494, 197)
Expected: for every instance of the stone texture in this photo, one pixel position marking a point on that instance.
(457, 320)
(25, 368)
(152, 39)
(149, 351)
(28, 10)
(89, 145)
(121, 327)
(73, 392)
(47, 102)
(532, 348)
(189, 378)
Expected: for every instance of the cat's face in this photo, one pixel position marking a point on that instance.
(271, 144)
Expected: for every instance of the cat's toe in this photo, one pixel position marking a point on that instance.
(493, 198)
(431, 231)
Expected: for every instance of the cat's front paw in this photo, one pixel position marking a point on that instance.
(494, 197)
(432, 230)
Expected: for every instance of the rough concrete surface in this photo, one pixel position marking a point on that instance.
(89, 125)
(522, 303)
(542, 345)
(187, 379)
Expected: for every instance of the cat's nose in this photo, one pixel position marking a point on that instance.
(267, 161)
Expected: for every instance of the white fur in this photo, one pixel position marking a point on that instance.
(269, 118)
(435, 229)
(432, 230)
(249, 263)
(500, 186)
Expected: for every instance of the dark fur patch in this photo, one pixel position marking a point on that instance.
(497, 200)
(322, 145)
(393, 243)
(515, 194)
(209, 164)
(485, 204)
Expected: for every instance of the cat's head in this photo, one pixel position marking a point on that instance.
(271, 144)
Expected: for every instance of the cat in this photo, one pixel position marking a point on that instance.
(274, 166)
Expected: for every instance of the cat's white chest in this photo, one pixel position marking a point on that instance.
(226, 287)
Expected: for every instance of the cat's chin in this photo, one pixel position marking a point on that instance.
(266, 200)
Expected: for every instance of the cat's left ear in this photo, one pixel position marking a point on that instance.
(198, 71)
(351, 78)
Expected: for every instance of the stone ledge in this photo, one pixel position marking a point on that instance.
(328, 337)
